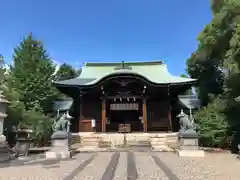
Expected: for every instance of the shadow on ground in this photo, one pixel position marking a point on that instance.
(35, 160)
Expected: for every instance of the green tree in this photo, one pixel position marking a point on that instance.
(212, 125)
(28, 88)
(32, 73)
(22, 118)
(216, 66)
(65, 72)
(183, 76)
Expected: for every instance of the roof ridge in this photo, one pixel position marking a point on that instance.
(133, 63)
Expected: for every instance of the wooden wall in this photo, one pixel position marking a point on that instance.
(158, 115)
(91, 109)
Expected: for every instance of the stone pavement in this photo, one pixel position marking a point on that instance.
(126, 165)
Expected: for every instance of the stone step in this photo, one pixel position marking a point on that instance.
(162, 148)
(145, 144)
(138, 141)
(104, 144)
(157, 143)
(90, 140)
(158, 139)
(90, 137)
(5, 157)
(90, 144)
(139, 144)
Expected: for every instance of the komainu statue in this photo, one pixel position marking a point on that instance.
(61, 124)
(61, 127)
(186, 125)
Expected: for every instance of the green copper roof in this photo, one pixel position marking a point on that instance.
(189, 101)
(154, 71)
(62, 105)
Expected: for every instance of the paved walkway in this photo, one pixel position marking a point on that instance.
(125, 166)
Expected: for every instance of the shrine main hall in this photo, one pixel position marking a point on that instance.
(142, 96)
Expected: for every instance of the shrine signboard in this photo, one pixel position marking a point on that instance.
(124, 106)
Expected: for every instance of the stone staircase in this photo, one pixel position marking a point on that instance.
(104, 144)
(141, 145)
(90, 141)
(164, 143)
(172, 141)
(138, 141)
(75, 139)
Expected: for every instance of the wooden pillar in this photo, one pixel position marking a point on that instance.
(80, 113)
(144, 109)
(169, 110)
(103, 115)
(170, 116)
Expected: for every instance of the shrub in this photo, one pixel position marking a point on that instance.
(213, 125)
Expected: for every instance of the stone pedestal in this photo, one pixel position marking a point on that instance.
(22, 148)
(4, 151)
(5, 154)
(189, 145)
(23, 143)
(2, 139)
(61, 148)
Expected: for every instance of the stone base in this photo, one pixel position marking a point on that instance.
(2, 138)
(90, 149)
(60, 149)
(162, 148)
(58, 155)
(24, 158)
(190, 153)
(5, 154)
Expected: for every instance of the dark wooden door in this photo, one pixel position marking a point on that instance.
(85, 126)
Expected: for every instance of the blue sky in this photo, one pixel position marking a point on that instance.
(78, 31)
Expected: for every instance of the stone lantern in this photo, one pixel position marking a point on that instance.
(4, 152)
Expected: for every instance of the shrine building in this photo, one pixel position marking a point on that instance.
(142, 95)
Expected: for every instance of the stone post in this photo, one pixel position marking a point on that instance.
(3, 115)
(4, 153)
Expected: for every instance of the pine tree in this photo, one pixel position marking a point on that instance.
(32, 73)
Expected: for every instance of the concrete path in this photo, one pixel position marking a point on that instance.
(125, 166)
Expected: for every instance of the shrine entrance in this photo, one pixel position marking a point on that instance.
(124, 114)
